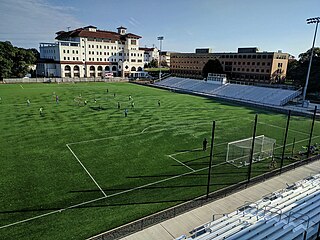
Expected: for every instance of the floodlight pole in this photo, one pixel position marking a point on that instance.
(311, 131)
(252, 147)
(285, 141)
(160, 40)
(211, 155)
(309, 21)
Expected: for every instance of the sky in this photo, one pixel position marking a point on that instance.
(223, 25)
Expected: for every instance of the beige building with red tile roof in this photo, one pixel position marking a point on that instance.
(89, 52)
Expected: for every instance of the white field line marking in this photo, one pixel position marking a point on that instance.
(180, 162)
(164, 180)
(112, 195)
(53, 212)
(145, 129)
(21, 86)
(298, 141)
(154, 131)
(86, 170)
(283, 128)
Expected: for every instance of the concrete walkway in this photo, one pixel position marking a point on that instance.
(183, 224)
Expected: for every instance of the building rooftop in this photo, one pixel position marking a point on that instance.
(85, 32)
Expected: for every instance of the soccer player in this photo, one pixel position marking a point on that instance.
(107, 90)
(28, 102)
(118, 105)
(41, 111)
(132, 104)
(114, 95)
(125, 112)
(57, 99)
(204, 144)
(85, 102)
(159, 103)
(130, 98)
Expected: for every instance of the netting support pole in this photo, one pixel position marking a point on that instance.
(311, 131)
(252, 147)
(293, 143)
(211, 156)
(285, 141)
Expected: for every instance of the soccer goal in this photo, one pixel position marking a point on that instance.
(238, 152)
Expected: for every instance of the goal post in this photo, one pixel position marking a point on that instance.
(238, 152)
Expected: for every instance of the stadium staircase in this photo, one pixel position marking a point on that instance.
(291, 213)
(245, 93)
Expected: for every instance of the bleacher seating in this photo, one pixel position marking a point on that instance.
(291, 213)
(258, 95)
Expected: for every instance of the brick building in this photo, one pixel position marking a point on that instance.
(246, 65)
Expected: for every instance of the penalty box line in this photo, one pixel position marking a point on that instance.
(181, 163)
(86, 170)
(105, 197)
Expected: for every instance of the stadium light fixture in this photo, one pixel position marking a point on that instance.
(315, 20)
(160, 40)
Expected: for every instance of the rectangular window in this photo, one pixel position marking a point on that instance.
(133, 42)
(64, 51)
(72, 51)
(257, 70)
(67, 51)
(263, 64)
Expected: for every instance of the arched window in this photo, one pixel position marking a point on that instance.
(107, 68)
(133, 69)
(76, 68)
(139, 69)
(67, 68)
(114, 68)
(99, 68)
(92, 68)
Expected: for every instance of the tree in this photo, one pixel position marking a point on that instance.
(164, 63)
(15, 62)
(306, 55)
(153, 63)
(297, 70)
(212, 66)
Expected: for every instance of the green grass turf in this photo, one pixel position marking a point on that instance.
(145, 162)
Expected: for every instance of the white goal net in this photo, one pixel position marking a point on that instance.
(238, 152)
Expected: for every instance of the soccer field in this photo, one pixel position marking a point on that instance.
(81, 169)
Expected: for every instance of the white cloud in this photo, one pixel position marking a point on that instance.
(28, 22)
